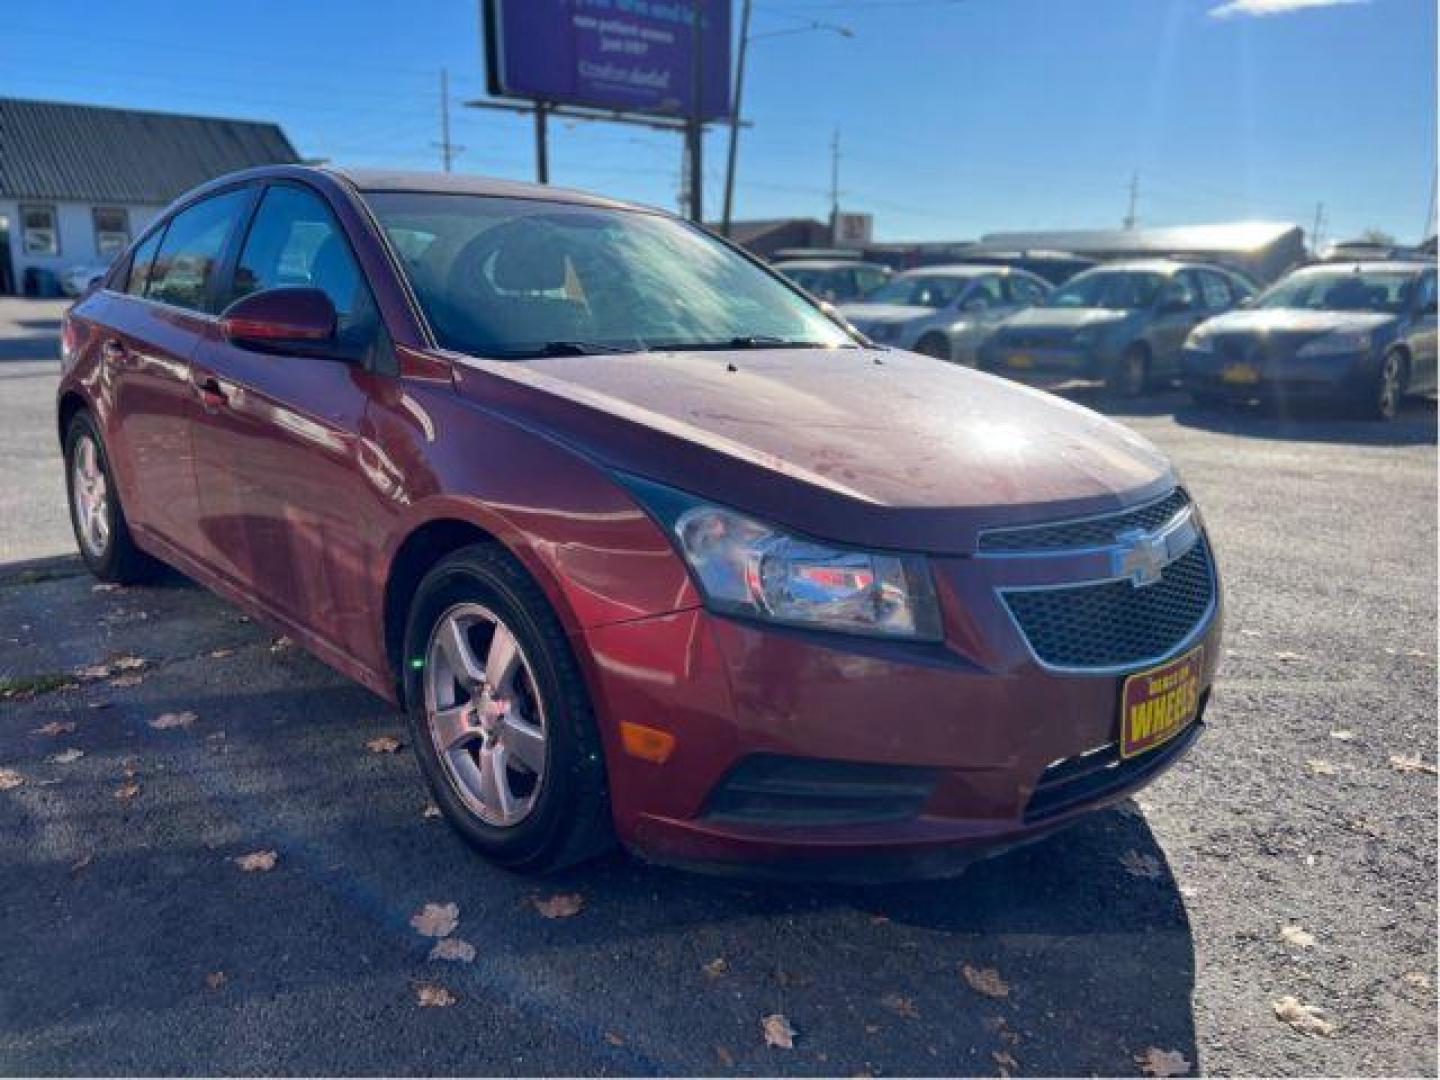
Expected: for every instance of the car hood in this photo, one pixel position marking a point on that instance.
(855, 445)
(1046, 318)
(1295, 321)
(873, 313)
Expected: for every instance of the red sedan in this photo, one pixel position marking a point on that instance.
(647, 545)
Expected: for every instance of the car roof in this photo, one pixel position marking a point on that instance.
(958, 270)
(1404, 266)
(1156, 266)
(441, 183)
(824, 264)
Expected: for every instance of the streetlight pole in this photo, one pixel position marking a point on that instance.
(696, 133)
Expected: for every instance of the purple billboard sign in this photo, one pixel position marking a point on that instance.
(623, 55)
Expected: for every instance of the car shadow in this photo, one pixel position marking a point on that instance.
(30, 347)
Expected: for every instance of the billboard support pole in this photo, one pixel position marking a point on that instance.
(542, 147)
(735, 119)
(695, 134)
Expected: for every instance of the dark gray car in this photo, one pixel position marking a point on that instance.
(1121, 324)
(1363, 334)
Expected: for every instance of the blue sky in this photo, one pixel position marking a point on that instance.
(957, 117)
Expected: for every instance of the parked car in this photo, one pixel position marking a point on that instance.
(76, 279)
(645, 544)
(837, 280)
(944, 311)
(1121, 324)
(1056, 267)
(1362, 334)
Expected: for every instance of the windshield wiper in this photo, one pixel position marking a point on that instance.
(574, 348)
(749, 341)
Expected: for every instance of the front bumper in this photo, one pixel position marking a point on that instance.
(1328, 378)
(815, 755)
(1051, 363)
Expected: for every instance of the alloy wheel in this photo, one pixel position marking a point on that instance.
(1389, 401)
(90, 494)
(484, 715)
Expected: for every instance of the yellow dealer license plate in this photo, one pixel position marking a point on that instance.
(1158, 704)
(1022, 360)
(1240, 374)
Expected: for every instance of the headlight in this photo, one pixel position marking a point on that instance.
(1200, 340)
(746, 567)
(1344, 342)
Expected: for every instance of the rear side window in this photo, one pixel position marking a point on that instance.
(140, 264)
(1215, 289)
(295, 241)
(189, 256)
(986, 289)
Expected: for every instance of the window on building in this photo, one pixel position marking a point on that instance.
(39, 230)
(112, 230)
(194, 240)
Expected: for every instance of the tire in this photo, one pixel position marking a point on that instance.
(96, 516)
(934, 345)
(528, 804)
(1130, 373)
(1387, 389)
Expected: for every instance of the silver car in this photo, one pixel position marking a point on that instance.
(945, 311)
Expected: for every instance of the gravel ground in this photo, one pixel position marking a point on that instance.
(132, 942)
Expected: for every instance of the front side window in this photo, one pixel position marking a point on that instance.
(1117, 290)
(186, 263)
(296, 241)
(512, 278)
(40, 235)
(141, 262)
(112, 230)
(921, 290)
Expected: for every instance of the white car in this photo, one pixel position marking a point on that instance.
(945, 311)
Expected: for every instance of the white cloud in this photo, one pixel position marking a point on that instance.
(1232, 8)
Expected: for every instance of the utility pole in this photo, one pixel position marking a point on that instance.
(735, 118)
(834, 186)
(1318, 229)
(695, 135)
(1134, 199)
(448, 149)
(1430, 209)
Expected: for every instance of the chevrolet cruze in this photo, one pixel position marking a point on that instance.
(645, 544)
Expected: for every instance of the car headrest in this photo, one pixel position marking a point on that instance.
(536, 264)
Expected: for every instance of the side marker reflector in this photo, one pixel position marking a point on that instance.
(646, 743)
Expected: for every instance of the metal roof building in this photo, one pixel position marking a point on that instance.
(77, 182)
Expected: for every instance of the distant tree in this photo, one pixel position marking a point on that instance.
(1378, 237)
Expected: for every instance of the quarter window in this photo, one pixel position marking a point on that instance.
(112, 230)
(40, 234)
(140, 264)
(185, 266)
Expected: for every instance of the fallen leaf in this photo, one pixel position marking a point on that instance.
(433, 996)
(1005, 1060)
(92, 672)
(778, 1032)
(986, 981)
(717, 967)
(215, 980)
(430, 810)
(281, 643)
(128, 663)
(613, 1039)
(1294, 935)
(1140, 864)
(127, 791)
(560, 906)
(220, 654)
(1342, 735)
(725, 1057)
(1417, 979)
(9, 779)
(1306, 1019)
(1408, 763)
(127, 680)
(256, 861)
(1289, 657)
(436, 920)
(55, 728)
(1318, 767)
(383, 744)
(65, 757)
(901, 1006)
(454, 949)
(1157, 1062)
(168, 721)
(81, 863)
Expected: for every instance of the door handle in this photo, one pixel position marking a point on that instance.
(211, 395)
(112, 351)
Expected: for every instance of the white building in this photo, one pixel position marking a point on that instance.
(79, 182)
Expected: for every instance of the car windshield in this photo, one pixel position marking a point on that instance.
(921, 290)
(515, 277)
(1340, 290)
(1118, 290)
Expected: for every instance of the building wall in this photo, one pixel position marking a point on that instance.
(76, 225)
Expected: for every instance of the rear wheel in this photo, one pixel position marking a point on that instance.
(1387, 388)
(935, 345)
(501, 721)
(96, 515)
(1130, 373)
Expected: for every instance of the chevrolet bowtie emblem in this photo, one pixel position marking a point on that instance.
(1140, 556)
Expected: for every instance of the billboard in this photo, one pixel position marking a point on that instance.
(629, 56)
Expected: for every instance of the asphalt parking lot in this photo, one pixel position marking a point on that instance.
(150, 738)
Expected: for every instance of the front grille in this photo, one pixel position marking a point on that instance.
(1114, 623)
(1085, 533)
(1088, 777)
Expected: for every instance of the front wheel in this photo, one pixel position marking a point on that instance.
(1387, 389)
(500, 718)
(98, 519)
(1130, 373)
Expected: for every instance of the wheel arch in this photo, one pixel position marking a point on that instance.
(71, 403)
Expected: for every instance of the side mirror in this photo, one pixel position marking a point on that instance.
(297, 320)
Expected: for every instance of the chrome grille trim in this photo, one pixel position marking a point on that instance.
(1095, 532)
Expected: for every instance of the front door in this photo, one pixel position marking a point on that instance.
(285, 504)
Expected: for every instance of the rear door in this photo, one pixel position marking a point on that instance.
(286, 493)
(1422, 335)
(150, 334)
